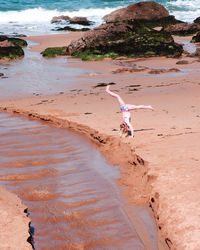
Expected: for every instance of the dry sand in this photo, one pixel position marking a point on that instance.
(14, 223)
(160, 166)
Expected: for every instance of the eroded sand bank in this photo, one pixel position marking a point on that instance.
(161, 164)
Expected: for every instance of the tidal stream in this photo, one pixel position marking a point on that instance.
(69, 188)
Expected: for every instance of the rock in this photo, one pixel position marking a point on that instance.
(159, 71)
(10, 47)
(182, 62)
(128, 70)
(138, 11)
(197, 20)
(122, 39)
(14, 40)
(196, 54)
(1, 74)
(68, 28)
(58, 19)
(196, 39)
(80, 20)
(74, 20)
(182, 29)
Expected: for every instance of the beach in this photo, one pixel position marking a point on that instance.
(159, 166)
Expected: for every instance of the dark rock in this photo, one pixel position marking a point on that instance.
(138, 11)
(68, 28)
(13, 40)
(58, 19)
(80, 20)
(74, 20)
(196, 39)
(103, 84)
(196, 54)
(122, 39)
(9, 50)
(197, 20)
(182, 29)
(1, 74)
(160, 71)
(182, 62)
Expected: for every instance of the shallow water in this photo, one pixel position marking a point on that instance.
(69, 189)
(34, 74)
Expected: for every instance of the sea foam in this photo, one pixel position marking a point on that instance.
(184, 10)
(37, 21)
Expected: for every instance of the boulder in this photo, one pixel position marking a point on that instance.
(138, 11)
(197, 20)
(196, 39)
(80, 20)
(10, 47)
(14, 40)
(182, 29)
(74, 20)
(58, 19)
(123, 39)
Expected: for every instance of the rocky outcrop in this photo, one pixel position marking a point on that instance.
(196, 39)
(11, 48)
(150, 14)
(197, 20)
(138, 11)
(182, 29)
(120, 38)
(74, 20)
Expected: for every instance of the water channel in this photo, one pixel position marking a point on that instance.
(69, 188)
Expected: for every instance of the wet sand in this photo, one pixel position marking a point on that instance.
(160, 165)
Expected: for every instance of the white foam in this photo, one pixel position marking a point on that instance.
(38, 15)
(185, 10)
(37, 21)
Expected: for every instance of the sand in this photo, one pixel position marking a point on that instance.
(14, 224)
(160, 166)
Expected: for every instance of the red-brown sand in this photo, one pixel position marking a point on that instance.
(14, 224)
(161, 164)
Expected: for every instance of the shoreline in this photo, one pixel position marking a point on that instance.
(156, 140)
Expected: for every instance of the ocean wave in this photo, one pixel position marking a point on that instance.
(185, 10)
(38, 15)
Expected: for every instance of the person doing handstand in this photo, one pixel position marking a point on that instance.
(126, 108)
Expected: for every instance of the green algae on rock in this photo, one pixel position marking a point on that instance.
(11, 48)
(124, 39)
(54, 51)
(196, 39)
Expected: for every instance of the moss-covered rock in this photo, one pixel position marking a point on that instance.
(11, 48)
(196, 39)
(16, 41)
(54, 51)
(122, 39)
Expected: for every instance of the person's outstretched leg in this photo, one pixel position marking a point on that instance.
(121, 102)
(134, 107)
